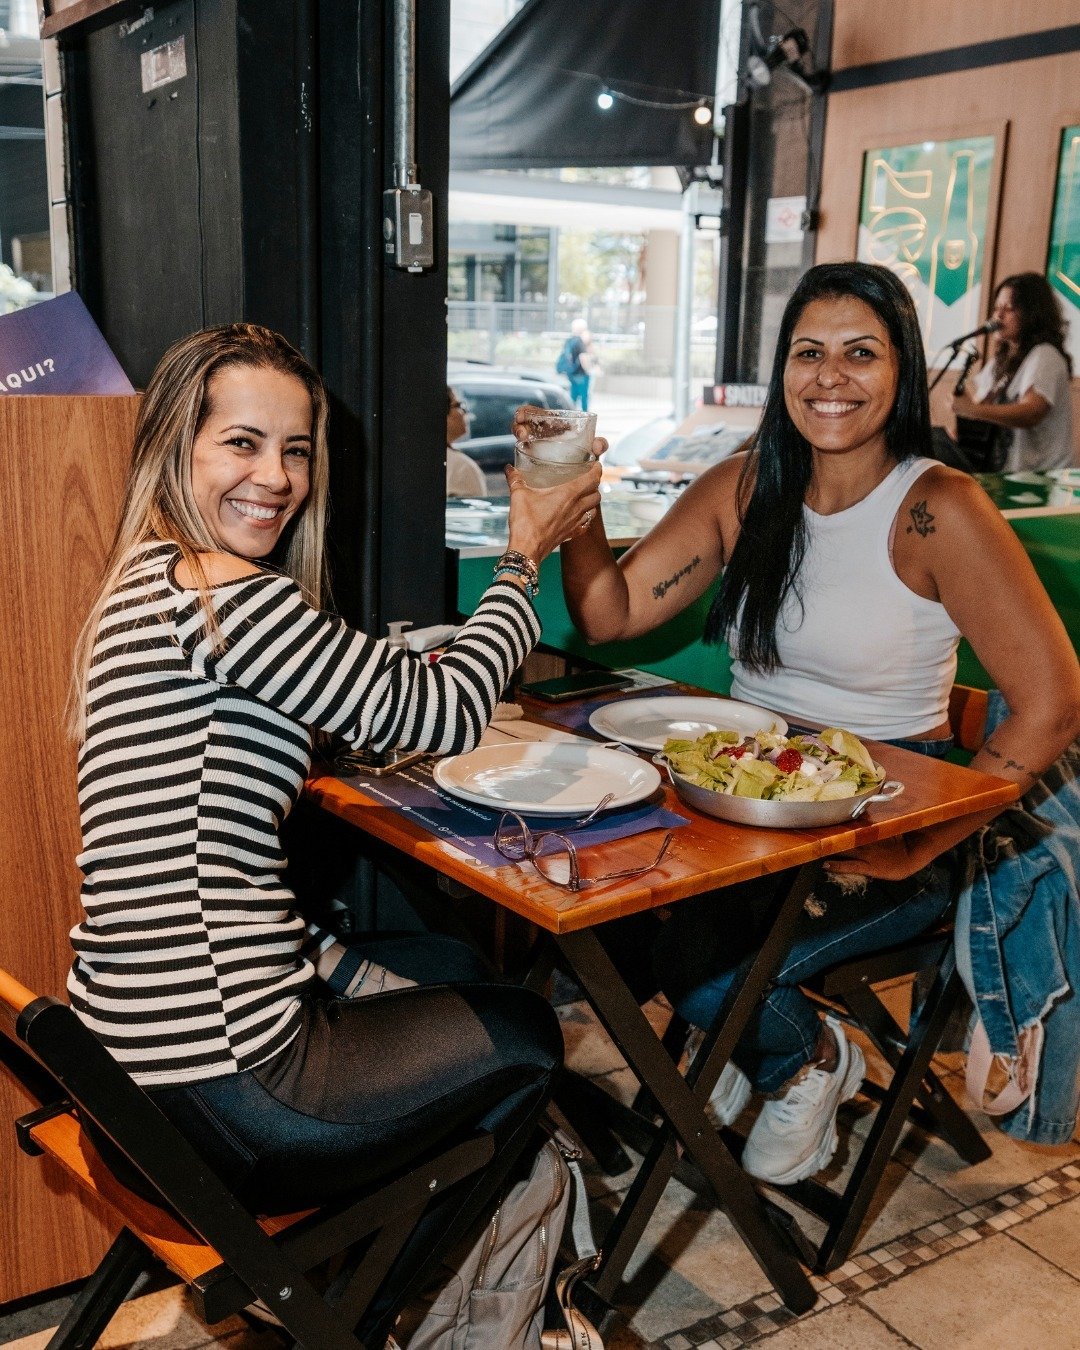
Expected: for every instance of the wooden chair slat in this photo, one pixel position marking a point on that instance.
(967, 716)
(181, 1250)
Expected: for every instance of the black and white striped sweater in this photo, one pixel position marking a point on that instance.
(191, 960)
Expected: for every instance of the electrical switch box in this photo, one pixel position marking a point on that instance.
(408, 230)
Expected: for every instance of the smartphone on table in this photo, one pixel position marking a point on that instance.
(375, 763)
(566, 687)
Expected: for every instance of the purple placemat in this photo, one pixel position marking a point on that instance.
(413, 793)
(575, 716)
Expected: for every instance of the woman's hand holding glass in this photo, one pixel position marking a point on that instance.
(541, 518)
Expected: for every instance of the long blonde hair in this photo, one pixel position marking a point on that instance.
(158, 499)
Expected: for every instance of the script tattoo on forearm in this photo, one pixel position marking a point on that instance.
(662, 587)
(921, 520)
(1010, 763)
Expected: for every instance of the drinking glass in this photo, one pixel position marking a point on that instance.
(541, 473)
(558, 436)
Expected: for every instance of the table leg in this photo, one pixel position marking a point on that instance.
(683, 1108)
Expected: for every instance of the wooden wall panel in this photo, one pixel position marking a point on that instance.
(862, 35)
(63, 464)
(1035, 98)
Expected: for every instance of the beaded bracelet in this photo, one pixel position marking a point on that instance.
(531, 587)
(513, 558)
(519, 564)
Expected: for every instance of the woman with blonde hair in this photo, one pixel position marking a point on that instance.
(206, 665)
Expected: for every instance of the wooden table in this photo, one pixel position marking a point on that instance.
(706, 855)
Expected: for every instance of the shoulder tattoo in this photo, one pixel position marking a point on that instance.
(922, 522)
(662, 587)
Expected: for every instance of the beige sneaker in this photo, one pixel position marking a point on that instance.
(795, 1135)
(728, 1099)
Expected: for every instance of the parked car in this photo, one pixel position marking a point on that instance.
(492, 394)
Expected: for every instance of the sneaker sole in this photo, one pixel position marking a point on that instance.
(856, 1072)
(735, 1106)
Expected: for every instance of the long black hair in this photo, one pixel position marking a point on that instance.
(1041, 320)
(765, 562)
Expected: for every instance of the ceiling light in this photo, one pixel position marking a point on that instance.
(703, 114)
(604, 99)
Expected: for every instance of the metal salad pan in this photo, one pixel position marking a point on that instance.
(780, 815)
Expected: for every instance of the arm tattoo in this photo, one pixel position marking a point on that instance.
(921, 520)
(661, 588)
(1011, 763)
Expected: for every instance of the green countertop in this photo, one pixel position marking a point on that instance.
(1044, 513)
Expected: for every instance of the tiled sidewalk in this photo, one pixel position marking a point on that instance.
(954, 1256)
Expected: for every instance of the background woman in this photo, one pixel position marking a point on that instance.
(852, 564)
(1024, 390)
(464, 477)
(204, 668)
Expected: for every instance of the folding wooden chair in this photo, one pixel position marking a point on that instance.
(914, 1092)
(201, 1232)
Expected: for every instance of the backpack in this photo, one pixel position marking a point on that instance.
(491, 1295)
(567, 362)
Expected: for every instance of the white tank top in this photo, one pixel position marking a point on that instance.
(861, 650)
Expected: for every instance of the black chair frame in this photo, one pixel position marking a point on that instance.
(914, 1091)
(239, 1258)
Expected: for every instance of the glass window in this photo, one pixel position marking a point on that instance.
(493, 413)
(457, 279)
(496, 280)
(25, 252)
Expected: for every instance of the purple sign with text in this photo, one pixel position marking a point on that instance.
(55, 347)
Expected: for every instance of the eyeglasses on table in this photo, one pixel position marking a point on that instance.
(550, 851)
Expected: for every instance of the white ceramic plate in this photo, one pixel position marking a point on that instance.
(648, 722)
(648, 506)
(552, 778)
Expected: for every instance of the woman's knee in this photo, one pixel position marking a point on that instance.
(522, 1026)
(414, 1046)
(427, 958)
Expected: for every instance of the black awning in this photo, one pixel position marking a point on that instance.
(529, 99)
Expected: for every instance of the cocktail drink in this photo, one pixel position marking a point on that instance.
(558, 446)
(542, 473)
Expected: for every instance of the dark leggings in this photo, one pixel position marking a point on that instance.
(369, 1086)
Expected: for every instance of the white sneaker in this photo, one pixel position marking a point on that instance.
(728, 1099)
(795, 1135)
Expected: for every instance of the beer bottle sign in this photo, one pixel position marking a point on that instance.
(1063, 261)
(924, 215)
(954, 252)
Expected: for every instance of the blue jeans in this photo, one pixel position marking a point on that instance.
(708, 944)
(579, 391)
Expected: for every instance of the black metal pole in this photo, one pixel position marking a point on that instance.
(822, 58)
(736, 147)
(307, 179)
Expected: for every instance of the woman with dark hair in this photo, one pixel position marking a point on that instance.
(1024, 389)
(852, 564)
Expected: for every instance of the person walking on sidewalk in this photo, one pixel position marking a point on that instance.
(577, 362)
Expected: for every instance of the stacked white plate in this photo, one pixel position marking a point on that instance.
(547, 778)
(646, 723)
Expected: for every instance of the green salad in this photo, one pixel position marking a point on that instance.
(806, 768)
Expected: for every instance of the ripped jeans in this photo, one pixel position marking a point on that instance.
(696, 947)
(708, 944)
